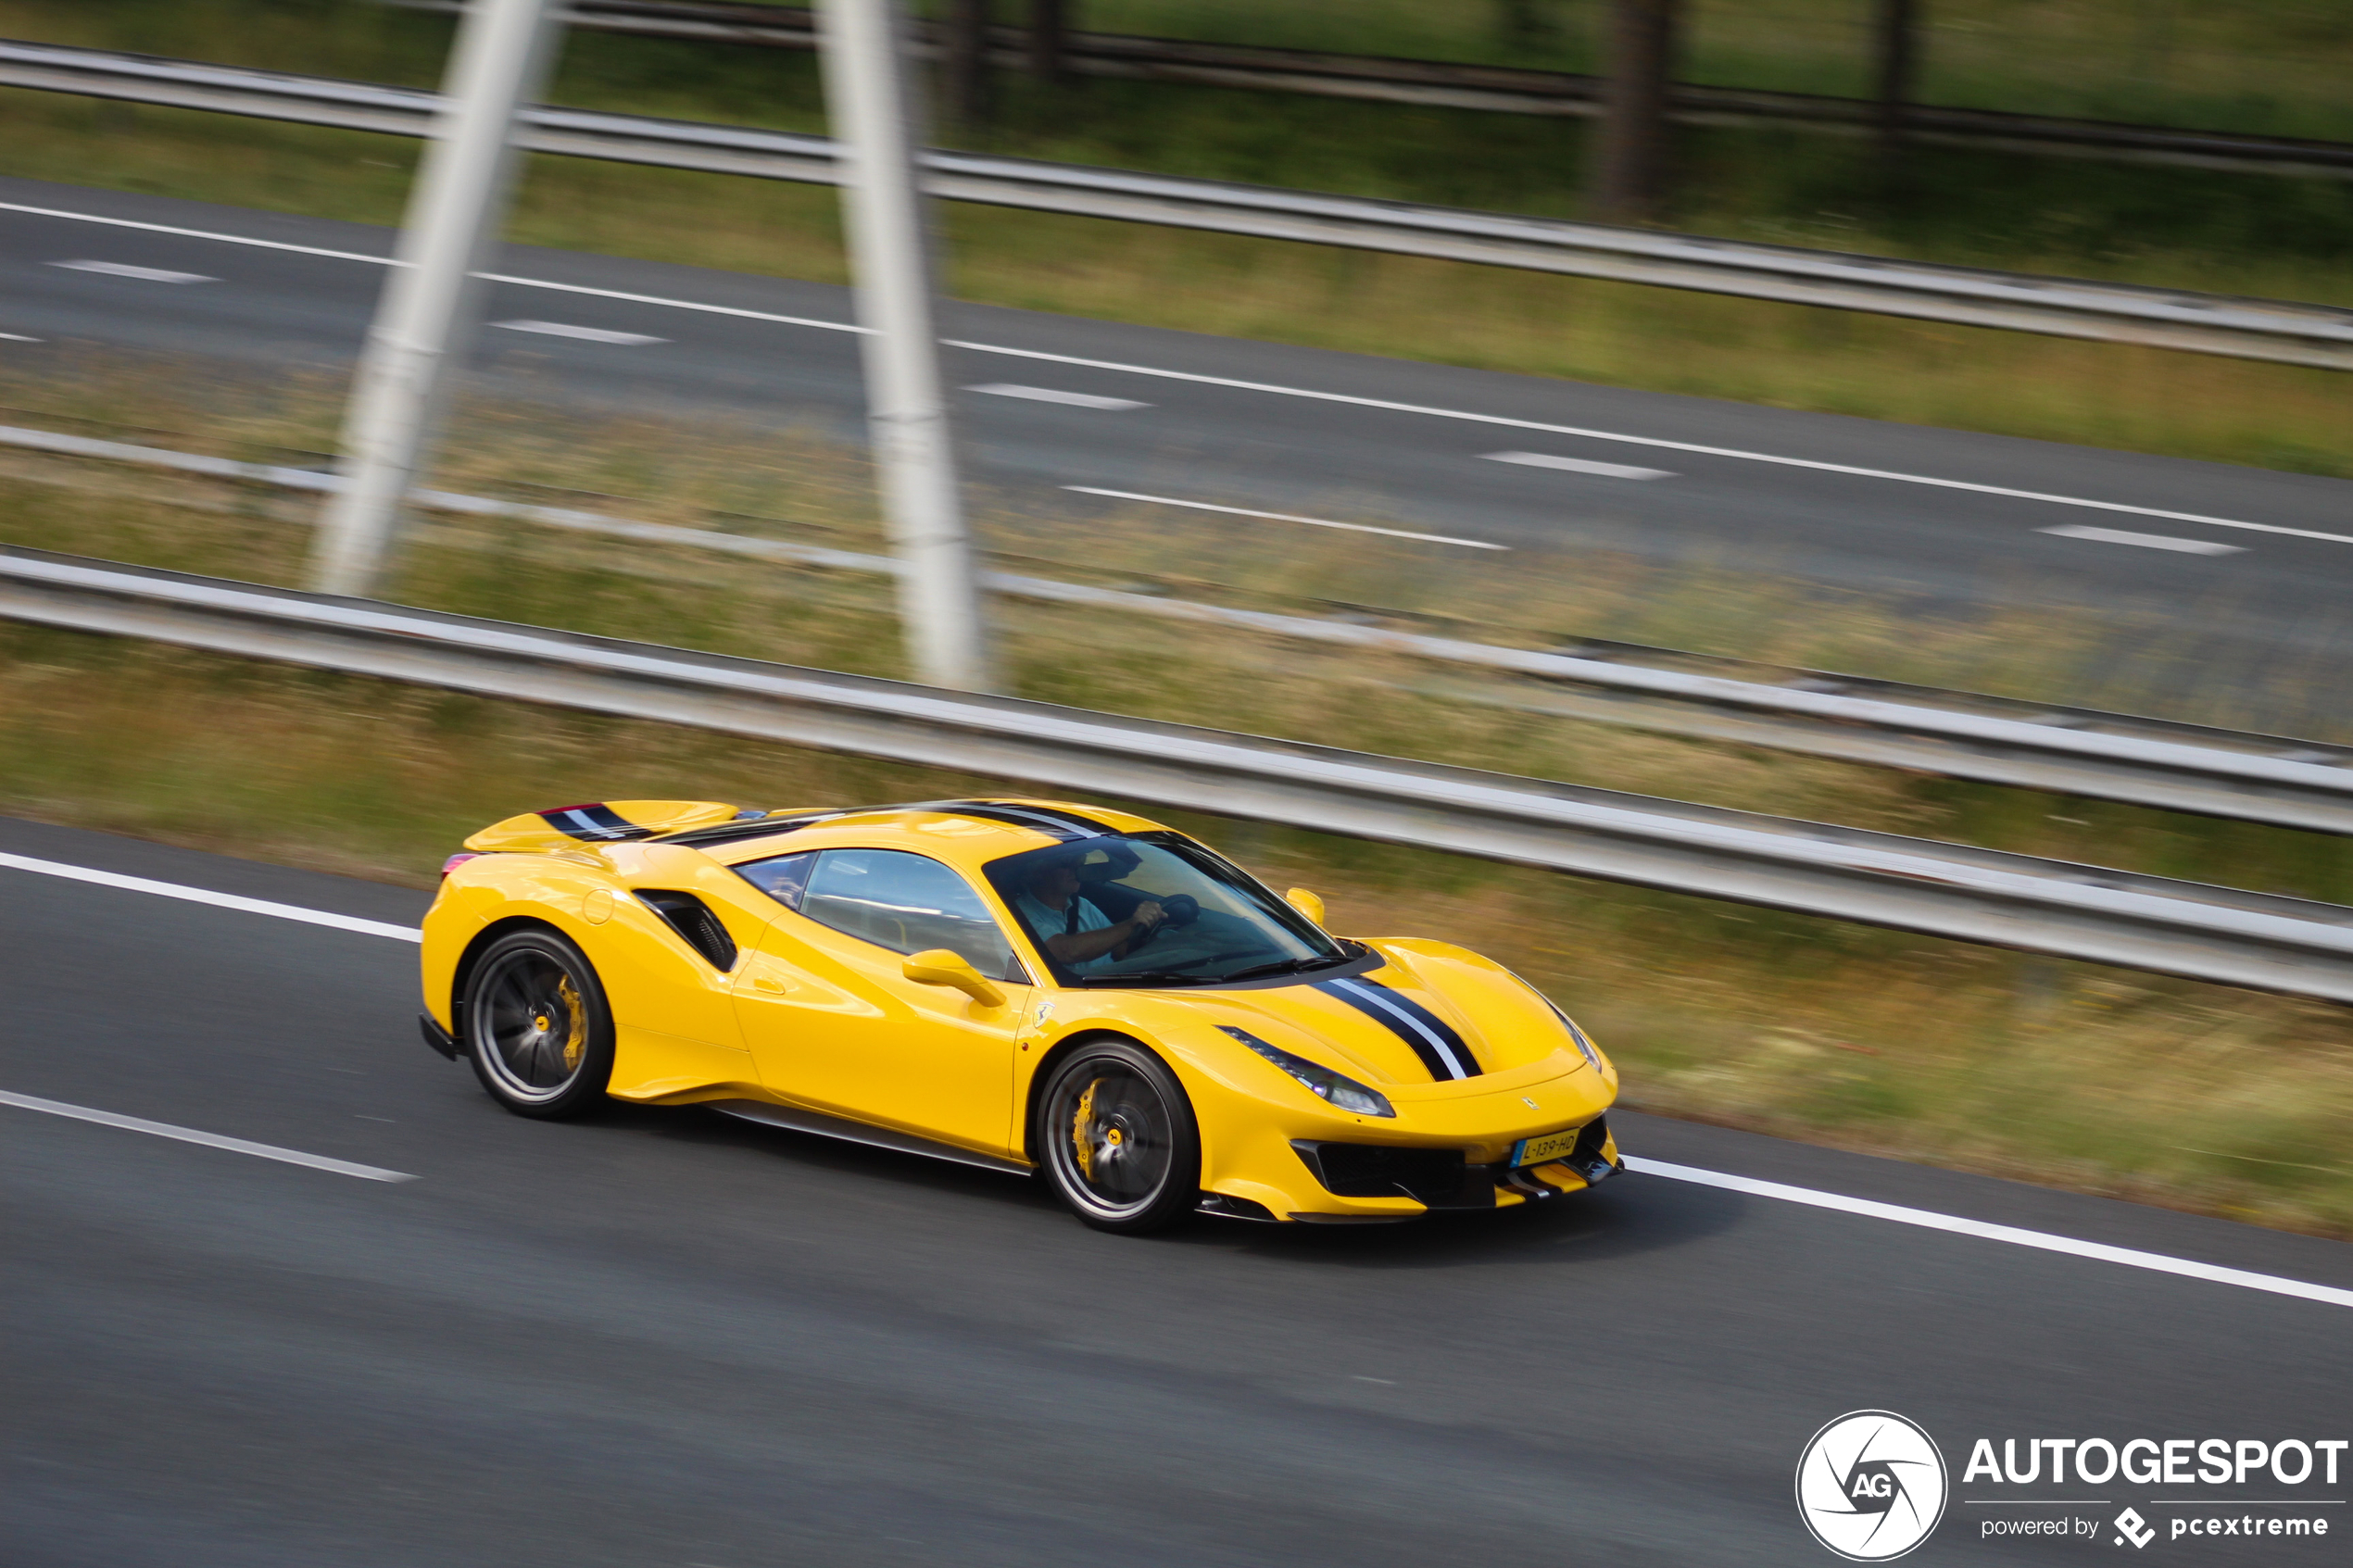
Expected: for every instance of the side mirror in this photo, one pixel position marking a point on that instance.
(1306, 903)
(940, 966)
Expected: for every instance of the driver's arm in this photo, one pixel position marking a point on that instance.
(1078, 947)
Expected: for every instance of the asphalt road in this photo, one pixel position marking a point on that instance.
(1767, 498)
(661, 1338)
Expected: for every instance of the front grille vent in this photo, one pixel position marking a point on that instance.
(1433, 1176)
(692, 920)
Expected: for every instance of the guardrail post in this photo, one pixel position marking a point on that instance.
(426, 311)
(863, 45)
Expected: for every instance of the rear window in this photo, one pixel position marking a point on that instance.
(907, 903)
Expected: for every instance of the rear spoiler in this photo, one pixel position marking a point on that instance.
(602, 821)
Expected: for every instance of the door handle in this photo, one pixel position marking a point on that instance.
(763, 983)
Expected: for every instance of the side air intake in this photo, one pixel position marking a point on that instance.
(692, 920)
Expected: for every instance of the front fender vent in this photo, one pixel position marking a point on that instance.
(692, 920)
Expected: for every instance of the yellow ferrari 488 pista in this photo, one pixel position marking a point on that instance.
(1023, 985)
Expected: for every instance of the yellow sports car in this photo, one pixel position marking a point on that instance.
(1022, 984)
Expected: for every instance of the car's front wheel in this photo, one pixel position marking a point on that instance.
(538, 1026)
(1116, 1138)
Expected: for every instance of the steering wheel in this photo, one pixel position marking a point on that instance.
(1176, 914)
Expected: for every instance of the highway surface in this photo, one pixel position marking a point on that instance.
(661, 1338)
(2247, 570)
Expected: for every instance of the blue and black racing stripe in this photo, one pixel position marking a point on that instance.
(595, 820)
(1434, 1040)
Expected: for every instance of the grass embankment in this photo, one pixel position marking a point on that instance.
(2226, 233)
(2070, 1074)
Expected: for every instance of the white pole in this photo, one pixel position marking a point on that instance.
(874, 111)
(427, 310)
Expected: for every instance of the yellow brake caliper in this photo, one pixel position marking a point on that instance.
(577, 1040)
(1080, 1122)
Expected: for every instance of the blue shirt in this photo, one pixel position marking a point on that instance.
(1046, 922)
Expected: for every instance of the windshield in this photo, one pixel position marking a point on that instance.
(1154, 909)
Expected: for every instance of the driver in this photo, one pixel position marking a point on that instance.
(1099, 884)
(1076, 932)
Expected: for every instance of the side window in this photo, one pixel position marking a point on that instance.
(907, 904)
(785, 879)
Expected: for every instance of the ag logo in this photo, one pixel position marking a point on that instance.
(1870, 1486)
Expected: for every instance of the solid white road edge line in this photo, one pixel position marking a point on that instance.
(205, 896)
(1926, 1218)
(1269, 387)
(1286, 517)
(1929, 1219)
(211, 1141)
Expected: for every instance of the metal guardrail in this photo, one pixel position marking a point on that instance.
(2255, 940)
(2153, 763)
(2277, 330)
(1504, 89)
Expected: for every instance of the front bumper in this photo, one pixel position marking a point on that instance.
(1442, 1179)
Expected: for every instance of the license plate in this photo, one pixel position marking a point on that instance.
(1551, 1146)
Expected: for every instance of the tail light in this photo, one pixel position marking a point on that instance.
(456, 860)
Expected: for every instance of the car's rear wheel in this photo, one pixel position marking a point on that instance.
(1116, 1138)
(538, 1026)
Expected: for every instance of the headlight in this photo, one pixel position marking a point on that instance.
(1593, 1056)
(1321, 1082)
(1583, 1044)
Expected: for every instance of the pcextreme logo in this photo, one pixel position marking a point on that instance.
(1872, 1486)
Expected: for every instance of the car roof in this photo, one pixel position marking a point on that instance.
(967, 833)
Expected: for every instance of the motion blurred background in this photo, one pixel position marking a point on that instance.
(2188, 144)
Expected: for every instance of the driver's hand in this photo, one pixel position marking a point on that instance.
(1148, 914)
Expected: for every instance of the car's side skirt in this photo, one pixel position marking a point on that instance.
(847, 1131)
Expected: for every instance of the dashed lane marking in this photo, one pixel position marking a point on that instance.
(144, 274)
(2145, 541)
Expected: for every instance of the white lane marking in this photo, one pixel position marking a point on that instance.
(205, 896)
(190, 233)
(1272, 388)
(1052, 395)
(586, 335)
(2147, 541)
(144, 274)
(1661, 442)
(2044, 1241)
(1577, 465)
(667, 304)
(18, 337)
(1286, 517)
(211, 1141)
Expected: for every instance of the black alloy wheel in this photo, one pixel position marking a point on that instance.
(1116, 1138)
(536, 1025)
